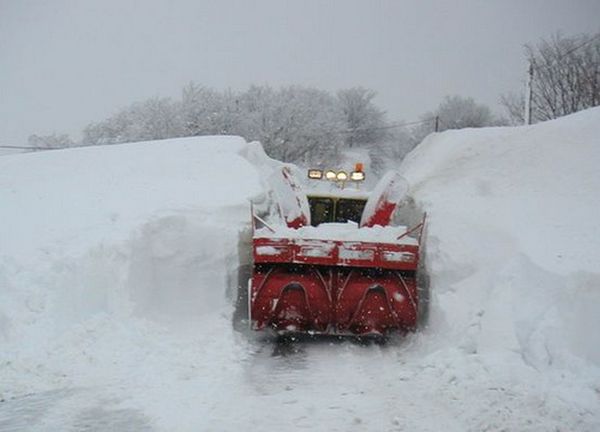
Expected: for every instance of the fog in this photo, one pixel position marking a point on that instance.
(66, 63)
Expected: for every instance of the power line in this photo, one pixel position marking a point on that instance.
(589, 41)
(390, 126)
(565, 54)
(24, 148)
(545, 67)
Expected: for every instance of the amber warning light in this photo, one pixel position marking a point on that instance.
(358, 174)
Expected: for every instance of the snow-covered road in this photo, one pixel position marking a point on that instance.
(174, 382)
(119, 274)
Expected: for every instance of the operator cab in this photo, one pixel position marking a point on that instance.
(324, 209)
(342, 207)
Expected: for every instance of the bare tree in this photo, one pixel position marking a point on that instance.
(155, 118)
(205, 111)
(514, 104)
(387, 154)
(365, 123)
(53, 141)
(455, 112)
(152, 119)
(566, 77)
(294, 123)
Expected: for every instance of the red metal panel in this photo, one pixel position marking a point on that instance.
(286, 298)
(330, 300)
(336, 253)
(376, 302)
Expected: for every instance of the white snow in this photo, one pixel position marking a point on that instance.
(118, 278)
(316, 249)
(288, 193)
(391, 188)
(348, 231)
(398, 256)
(267, 250)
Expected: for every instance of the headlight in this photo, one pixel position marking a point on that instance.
(330, 175)
(315, 174)
(342, 176)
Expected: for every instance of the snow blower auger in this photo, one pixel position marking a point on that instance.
(334, 264)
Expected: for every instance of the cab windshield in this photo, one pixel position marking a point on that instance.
(328, 209)
(349, 210)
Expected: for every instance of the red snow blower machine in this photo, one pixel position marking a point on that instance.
(331, 261)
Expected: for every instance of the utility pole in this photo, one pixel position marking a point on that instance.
(528, 94)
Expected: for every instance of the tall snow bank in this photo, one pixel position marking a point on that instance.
(513, 242)
(52, 197)
(145, 229)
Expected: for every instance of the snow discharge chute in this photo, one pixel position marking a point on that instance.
(291, 199)
(383, 200)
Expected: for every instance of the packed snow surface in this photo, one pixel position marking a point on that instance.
(348, 231)
(119, 267)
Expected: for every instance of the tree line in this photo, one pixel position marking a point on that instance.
(312, 126)
(294, 123)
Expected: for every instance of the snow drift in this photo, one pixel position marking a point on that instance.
(514, 244)
(116, 292)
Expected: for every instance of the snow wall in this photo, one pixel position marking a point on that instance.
(513, 240)
(118, 234)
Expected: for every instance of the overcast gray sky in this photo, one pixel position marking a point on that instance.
(65, 63)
